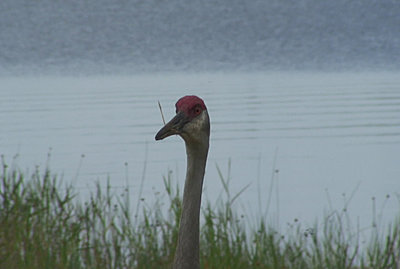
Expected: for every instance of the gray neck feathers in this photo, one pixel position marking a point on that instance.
(187, 251)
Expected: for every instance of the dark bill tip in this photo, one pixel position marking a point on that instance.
(172, 127)
(165, 132)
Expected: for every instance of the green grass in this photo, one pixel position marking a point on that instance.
(44, 225)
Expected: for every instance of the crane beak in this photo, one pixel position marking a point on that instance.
(173, 127)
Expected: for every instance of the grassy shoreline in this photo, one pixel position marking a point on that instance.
(43, 225)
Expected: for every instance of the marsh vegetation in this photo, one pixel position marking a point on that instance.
(43, 224)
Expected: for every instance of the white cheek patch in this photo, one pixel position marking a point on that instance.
(197, 124)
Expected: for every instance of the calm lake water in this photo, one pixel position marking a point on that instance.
(333, 139)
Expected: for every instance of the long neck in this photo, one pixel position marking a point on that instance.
(187, 251)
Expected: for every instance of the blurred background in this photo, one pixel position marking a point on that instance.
(304, 98)
(130, 36)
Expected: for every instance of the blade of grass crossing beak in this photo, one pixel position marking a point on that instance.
(162, 115)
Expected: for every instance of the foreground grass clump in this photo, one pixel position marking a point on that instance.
(44, 225)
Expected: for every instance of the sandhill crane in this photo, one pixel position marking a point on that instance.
(193, 125)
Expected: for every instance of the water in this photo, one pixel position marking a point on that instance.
(333, 140)
(123, 36)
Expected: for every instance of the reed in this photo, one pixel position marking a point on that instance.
(44, 225)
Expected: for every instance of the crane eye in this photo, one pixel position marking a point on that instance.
(197, 110)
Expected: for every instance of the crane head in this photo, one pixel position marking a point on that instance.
(191, 121)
